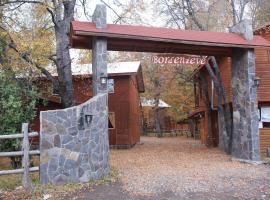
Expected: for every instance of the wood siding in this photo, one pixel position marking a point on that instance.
(264, 140)
(262, 61)
(263, 71)
(123, 102)
(135, 114)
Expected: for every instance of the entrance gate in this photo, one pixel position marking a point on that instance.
(239, 45)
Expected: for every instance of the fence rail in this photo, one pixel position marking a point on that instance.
(15, 136)
(18, 153)
(18, 171)
(25, 152)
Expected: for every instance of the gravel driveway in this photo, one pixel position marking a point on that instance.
(185, 169)
(173, 168)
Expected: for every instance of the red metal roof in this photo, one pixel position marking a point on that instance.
(205, 38)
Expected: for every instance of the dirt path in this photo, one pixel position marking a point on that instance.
(177, 168)
(180, 168)
(188, 170)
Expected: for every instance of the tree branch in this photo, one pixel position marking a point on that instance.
(191, 13)
(52, 16)
(21, 1)
(25, 56)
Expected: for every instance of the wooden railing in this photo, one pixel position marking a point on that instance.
(25, 152)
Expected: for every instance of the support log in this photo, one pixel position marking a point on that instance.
(224, 114)
(208, 111)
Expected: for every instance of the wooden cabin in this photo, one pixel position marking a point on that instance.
(125, 82)
(148, 117)
(167, 123)
(199, 117)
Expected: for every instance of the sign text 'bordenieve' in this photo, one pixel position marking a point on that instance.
(176, 59)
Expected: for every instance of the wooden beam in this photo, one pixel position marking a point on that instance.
(135, 45)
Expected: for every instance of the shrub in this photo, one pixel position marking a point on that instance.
(17, 105)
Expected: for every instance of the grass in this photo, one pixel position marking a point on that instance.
(9, 182)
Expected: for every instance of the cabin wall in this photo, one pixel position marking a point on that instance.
(124, 97)
(134, 111)
(264, 141)
(203, 128)
(119, 105)
(262, 71)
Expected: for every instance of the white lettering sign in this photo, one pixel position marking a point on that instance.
(184, 60)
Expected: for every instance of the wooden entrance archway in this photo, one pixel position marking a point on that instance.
(239, 44)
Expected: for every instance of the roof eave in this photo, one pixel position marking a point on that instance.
(81, 33)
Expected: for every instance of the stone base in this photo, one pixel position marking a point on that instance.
(250, 161)
(74, 145)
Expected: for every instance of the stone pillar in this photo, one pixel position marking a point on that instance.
(99, 52)
(245, 143)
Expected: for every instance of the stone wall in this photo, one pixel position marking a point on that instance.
(245, 106)
(99, 51)
(74, 142)
(245, 144)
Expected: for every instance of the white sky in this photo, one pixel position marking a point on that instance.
(148, 17)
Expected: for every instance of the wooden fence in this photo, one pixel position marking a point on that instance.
(25, 152)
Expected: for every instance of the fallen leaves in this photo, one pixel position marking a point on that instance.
(184, 166)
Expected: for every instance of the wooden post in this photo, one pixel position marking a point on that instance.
(25, 160)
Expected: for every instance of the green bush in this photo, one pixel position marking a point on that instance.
(17, 105)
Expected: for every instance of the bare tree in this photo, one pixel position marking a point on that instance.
(239, 9)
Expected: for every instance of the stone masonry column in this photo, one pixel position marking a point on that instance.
(99, 52)
(245, 105)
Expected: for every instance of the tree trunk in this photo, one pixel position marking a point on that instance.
(62, 18)
(157, 122)
(157, 86)
(64, 67)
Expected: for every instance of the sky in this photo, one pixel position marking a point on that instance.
(148, 17)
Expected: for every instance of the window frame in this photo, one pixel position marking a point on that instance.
(113, 91)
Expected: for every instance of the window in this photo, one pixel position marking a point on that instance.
(264, 116)
(110, 85)
(111, 120)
